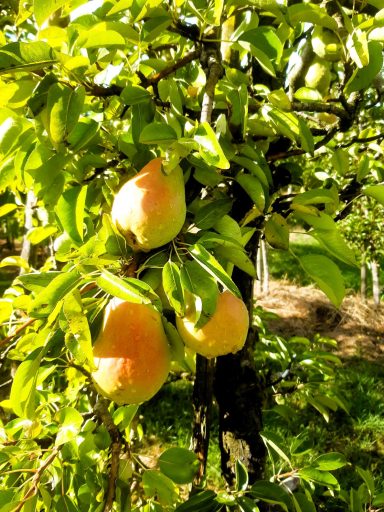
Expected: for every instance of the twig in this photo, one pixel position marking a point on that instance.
(357, 140)
(32, 491)
(154, 79)
(101, 410)
(20, 329)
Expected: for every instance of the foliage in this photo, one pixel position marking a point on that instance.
(92, 91)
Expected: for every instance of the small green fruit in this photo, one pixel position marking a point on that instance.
(326, 44)
(318, 76)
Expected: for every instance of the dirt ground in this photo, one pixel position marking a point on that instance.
(358, 326)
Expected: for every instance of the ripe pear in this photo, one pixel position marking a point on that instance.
(326, 44)
(318, 76)
(131, 353)
(149, 210)
(224, 333)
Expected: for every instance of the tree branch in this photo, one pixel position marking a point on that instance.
(101, 410)
(357, 140)
(20, 329)
(328, 108)
(32, 491)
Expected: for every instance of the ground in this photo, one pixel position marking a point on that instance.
(358, 326)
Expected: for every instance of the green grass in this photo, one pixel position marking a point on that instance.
(285, 265)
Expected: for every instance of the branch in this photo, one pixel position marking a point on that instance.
(115, 90)
(329, 108)
(189, 31)
(356, 140)
(154, 79)
(101, 410)
(20, 329)
(32, 491)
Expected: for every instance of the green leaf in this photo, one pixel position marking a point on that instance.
(101, 39)
(70, 421)
(37, 235)
(265, 39)
(80, 341)
(124, 415)
(273, 441)
(157, 133)
(310, 13)
(23, 391)
(336, 245)
(207, 215)
(375, 191)
(14, 261)
(203, 501)
(134, 94)
(45, 302)
(6, 310)
(329, 461)
(157, 484)
(315, 196)
(70, 210)
(368, 479)
(83, 133)
(23, 56)
(241, 476)
(303, 503)
(199, 282)
(317, 219)
(129, 289)
(255, 169)
(7, 208)
(42, 9)
(209, 147)
(277, 232)
(270, 493)
(176, 344)
(319, 477)
(172, 287)
(362, 77)
(340, 161)
(179, 464)
(326, 274)
(213, 267)
(253, 188)
(64, 106)
(238, 257)
(247, 505)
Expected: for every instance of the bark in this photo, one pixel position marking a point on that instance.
(239, 388)
(363, 280)
(264, 256)
(203, 385)
(202, 412)
(375, 283)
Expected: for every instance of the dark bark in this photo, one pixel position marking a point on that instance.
(238, 387)
(202, 412)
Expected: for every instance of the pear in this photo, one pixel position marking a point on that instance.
(149, 210)
(224, 333)
(319, 76)
(326, 44)
(131, 353)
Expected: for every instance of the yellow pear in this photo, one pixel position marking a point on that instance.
(224, 333)
(131, 353)
(149, 210)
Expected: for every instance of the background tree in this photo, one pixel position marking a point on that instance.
(233, 92)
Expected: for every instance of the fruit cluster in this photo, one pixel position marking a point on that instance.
(131, 353)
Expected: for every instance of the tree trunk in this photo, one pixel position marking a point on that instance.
(363, 280)
(375, 283)
(202, 412)
(238, 387)
(264, 255)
